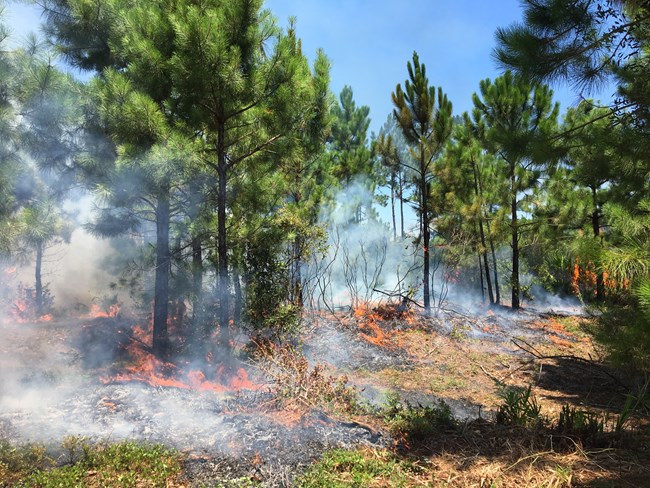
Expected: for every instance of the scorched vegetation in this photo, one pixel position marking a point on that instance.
(199, 286)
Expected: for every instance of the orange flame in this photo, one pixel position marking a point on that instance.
(148, 369)
(97, 312)
(368, 321)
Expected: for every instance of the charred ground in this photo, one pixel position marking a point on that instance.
(367, 381)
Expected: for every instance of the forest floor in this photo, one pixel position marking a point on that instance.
(528, 401)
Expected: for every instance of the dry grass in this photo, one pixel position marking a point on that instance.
(483, 454)
(564, 368)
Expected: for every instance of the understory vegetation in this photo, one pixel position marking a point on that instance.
(85, 464)
(234, 206)
(429, 447)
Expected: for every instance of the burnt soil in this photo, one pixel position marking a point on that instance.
(52, 385)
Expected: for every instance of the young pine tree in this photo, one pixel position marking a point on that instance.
(424, 115)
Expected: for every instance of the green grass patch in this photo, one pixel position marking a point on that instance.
(359, 468)
(417, 424)
(123, 464)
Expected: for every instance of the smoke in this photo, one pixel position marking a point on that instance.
(362, 262)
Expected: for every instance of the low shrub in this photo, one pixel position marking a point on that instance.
(417, 424)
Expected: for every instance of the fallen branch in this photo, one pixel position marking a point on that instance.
(404, 298)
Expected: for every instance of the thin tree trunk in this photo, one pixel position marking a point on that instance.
(515, 243)
(426, 236)
(222, 246)
(295, 282)
(480, 270)
(401, 204)
(595, 223)
(239, 297)
(497, 292)
(198, 333)
(392, 204)
(161, 287)
(478, 193)
(38, 282)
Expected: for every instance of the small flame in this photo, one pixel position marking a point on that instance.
(97, 312)
(146, 368)
(369, 321)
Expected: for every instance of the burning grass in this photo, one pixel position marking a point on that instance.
(267, 436)
(142, 366)
(378, 324)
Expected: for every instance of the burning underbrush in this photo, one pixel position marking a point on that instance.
(380, 381)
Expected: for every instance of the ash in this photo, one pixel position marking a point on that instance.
(49, 390)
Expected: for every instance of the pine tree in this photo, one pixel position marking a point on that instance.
(426, 126)
(348, 141)
(50, 120)
(515, 121)
(10, 167)
(464, 173)
(242, 99)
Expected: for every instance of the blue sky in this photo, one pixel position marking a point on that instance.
(370, 42)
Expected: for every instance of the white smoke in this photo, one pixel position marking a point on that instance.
(362, 262)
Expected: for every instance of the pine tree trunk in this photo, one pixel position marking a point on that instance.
(497, 292)
(295, 281)
(480, 270)
(426, 236)
(478, 193)
(222, 247)
(401, 205)
(515, 242)
(38, 281)
(198, 332)
(161, 287)
(239, 297)
(595, 223)
(392, 204)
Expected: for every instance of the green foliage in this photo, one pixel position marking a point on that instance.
(268, 311)
(581, 424)
(419, 423)
(624, 327)
(18, 462)
(424, 115)
(122, 464)
(514, 121)
(519, 407)
(626, 334)
(342, 468)
(348, 141)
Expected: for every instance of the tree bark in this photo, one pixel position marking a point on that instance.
(480, 270)
(497, 292)
(239, 297)
(426, 236)
(198, 333)
(515, 242)
(401, 204)
(295, 280)
(392, 204)
(161, 287)
(38, 281)
(222, 245)
(478, 193)
(595, 224)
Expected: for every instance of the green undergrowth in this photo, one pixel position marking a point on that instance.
(521, 447)
(359, 468)
(121, 464)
